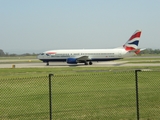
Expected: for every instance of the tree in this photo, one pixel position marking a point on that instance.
(1, 53)
(151, 51)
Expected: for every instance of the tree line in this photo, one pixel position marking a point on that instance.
(24, 54)
(2, 53)
(150, 51)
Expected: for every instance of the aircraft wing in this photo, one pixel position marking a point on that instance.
(83, 58)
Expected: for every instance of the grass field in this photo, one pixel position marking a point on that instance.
(103, 93)
(79, 93)
(6, 73)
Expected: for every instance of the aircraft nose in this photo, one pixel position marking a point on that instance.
(40, 55)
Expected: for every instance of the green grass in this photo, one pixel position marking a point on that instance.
(24, 98)
(6, 73)
(141, 59)
(79, 93)
(19, 59)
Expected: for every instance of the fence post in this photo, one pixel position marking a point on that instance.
(50, 96)
(137, 99)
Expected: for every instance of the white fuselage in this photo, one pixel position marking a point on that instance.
(92, 54)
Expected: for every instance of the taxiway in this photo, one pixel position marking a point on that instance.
(63, 64)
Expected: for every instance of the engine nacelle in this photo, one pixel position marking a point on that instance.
(71, 60)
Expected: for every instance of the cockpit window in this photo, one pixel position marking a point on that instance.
(47, 54)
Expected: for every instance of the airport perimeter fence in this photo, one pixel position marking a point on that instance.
(99, 96)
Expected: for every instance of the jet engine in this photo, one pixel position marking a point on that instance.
(71, 60)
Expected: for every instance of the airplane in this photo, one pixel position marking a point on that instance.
(87, 56)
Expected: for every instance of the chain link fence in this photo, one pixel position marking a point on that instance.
(97, 96)
(24, 98)
(149, 95)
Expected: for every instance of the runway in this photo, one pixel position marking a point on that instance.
(63, 64)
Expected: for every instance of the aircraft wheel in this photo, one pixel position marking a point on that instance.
(47, 63)
(86, 63)
(90, 63)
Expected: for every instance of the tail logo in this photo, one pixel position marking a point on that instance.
(133, 41)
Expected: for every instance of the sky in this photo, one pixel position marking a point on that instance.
(35, 26)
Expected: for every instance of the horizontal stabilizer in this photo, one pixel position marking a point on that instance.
(137, 51)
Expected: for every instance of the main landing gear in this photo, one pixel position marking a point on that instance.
(47, 63)
(90, 63)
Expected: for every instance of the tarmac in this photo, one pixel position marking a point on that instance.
(63, 64)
